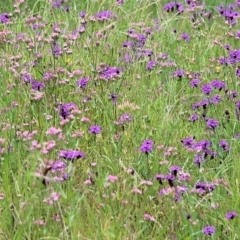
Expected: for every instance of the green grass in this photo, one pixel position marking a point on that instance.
(160, 106)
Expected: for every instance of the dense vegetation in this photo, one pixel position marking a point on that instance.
(119, 119)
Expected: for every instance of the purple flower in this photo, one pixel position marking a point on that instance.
(204, 144)
(36, 85)
(95, 130)
(185, 37)
(209, 230)
(224, 145)
(175, 169)
(58, 166)
(218, 84)
(207, 89)
(194, 117)
(194, 83)
(113, 97)
(151, 65)
(188, 142)
(110, 73)
(4, 18)
(82, 83)
(170, 179)
(71, 154)
(231, 215)
(125, 118)
(147, 146)
(238, 72)
(82, 14)
(159, 177)
(179, 73)
(216, 99)
(212, 123)
(66, 108)
(203, 187)
(128, 44)
(198, 159)
(57, 4)
(104, 15)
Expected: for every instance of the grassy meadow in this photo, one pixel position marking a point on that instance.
(119, 120)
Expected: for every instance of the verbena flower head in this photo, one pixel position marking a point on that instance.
(218, 84)
(203, 187)
(82, 83)
(231, 215)
(71, 154)
(209, 230)
(194, 117)
(194, 83)
(207, 89)
(65, 109)
(95, 130)
(124, 118)
(104, 15)
(175, 170)
(185, 37)
(147, 146)
(113, 97)
(212, 123)
(4, 18)
(151, 65)
(188, 142)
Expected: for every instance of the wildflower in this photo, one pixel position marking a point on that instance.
(203, 187)
(175, 170)
(194, 117)
(231, 215)
(188, 142)
(207, 89)
(218, 84)
(209, 230)
(170, 179)
(148, 217)
(53, 131)
(95, 130)
(212, 123)
(65, 109)
(224, 145)
(71, 154)
(112, 178)
(194, 83)
(113, 97)
(216, 99)
(147, 146)
(82, 83)
(104, 15)
(199, 158)
(185, 37)
(136, 190)
(151, 65)
(58, 166)
(82, 14)
(36, 85)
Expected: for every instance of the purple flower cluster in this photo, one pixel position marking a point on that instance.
(4, 18)
(110, 73)
(204, 188)
(170, 7)
(82, 83)
(95, 130)
(209, 230)
(147, 146)
(71, 155)
(65, 109)
(104, 15)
